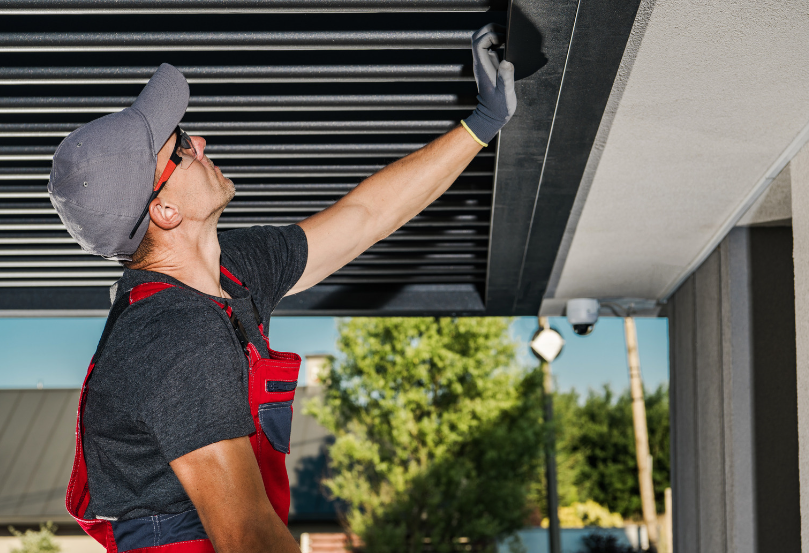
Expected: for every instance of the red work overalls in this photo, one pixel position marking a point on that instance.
(271, 390)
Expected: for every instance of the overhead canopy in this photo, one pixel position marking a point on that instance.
(299, 100)
(715, 106)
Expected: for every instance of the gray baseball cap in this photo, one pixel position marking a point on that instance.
(103, 172)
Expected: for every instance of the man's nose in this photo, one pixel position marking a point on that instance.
(199, 145)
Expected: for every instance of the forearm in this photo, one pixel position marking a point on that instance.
(401, 190)
(382, 203)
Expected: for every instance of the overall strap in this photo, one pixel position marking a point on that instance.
(139, 292)
(147, 289)
(233, 278)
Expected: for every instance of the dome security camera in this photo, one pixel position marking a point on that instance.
(582, 314)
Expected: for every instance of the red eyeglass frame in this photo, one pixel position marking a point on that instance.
(174, 161)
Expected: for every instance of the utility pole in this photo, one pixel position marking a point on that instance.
(647, 497)
(546, 345)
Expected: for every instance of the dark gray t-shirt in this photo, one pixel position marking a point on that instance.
(173, 377)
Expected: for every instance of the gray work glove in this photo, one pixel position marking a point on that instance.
(496, 98)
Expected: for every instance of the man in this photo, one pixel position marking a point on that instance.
(185, 414)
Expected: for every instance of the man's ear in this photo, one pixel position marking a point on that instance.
(165, 215)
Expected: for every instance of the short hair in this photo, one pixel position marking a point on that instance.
(147, 245)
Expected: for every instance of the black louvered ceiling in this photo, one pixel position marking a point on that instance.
(298, 101)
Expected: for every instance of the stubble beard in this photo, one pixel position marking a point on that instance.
(227, 192)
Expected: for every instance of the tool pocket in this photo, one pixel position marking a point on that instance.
(276, 423)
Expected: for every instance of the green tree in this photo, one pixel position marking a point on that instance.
(603, 441)
(437, 432)
(37, 542)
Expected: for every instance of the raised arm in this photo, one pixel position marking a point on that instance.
(388, 199)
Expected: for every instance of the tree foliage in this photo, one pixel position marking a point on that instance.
(437, 432)
(598, 436)
(589, 513)
(32, 541)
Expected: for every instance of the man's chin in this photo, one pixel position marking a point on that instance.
(230, 189)
(228, 193)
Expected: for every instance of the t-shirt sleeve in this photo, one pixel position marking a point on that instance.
(194, 394)
(270, 259)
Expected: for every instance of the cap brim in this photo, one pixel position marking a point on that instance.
(163, 102)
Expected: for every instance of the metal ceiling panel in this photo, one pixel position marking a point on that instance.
(297, 107)
(299, 101)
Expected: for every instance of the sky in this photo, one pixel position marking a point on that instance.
(55, 352)
(590, 362)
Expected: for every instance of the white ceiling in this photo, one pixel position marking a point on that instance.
(716, 102)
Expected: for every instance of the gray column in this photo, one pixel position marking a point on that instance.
(799, 168)
(711, 411)
(737, 375)
(733, 416)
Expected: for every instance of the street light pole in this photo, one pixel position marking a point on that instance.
(554, 533)
(546, 345)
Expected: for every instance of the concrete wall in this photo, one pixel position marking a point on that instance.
(733, 399)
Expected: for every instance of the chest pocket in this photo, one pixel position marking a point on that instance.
(272, 389)
(275, 417)
(276, 423)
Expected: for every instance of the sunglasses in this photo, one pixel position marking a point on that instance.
(182, 156)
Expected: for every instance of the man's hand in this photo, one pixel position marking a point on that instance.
(497, 100)
(387, 200)
(224, 483)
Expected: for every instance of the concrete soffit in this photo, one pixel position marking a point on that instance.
(750, 206)
(699, 130)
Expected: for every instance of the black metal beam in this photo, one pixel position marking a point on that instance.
(37, 7)
(535, 28)
(324, 300)
(54, 298)
(529, 222)
(602, 31)
(380, 300)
